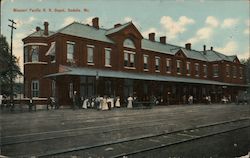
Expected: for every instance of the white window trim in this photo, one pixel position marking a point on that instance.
(129, 52)
(168, 59)
(108, 49)
(90, 63)
(38, 44)
(178, 62)
(157, 57)
(229, 69)
(145, 55)
(197, 64)
(215, 76)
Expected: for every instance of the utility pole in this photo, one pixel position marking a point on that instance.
(11, 66)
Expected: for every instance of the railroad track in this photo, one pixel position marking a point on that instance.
(122, 147)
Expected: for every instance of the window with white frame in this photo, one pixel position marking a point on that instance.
(107, 57)
(90, 54)
(70, 51)
(145, 62)
(215, 70)
(157, 64)
(234, 71)
(34, 53)
(168, 65)
(178, 67)
(26, 54)
(188, 69)
(205, 70)
(35, 88)
(129, 59)
(227, 70)
(196, 72)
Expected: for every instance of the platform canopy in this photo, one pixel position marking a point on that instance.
(83, 71)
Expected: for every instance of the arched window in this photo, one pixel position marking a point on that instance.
(128, 43)
(34, 54)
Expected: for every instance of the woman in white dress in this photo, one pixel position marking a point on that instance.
(130, 99)
(117, 102)
(105, 104)
(85, 102)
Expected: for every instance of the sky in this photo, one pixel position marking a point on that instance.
(224, 24)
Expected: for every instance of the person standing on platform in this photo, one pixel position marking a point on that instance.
(117, 102)
(75, 100)
(130, 102)
(105, 104)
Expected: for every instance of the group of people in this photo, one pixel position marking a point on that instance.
(99, 103)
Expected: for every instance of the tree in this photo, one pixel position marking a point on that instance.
(5, 67)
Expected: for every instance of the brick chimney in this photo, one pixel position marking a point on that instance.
(95, 22)
(163, 39)
(204, 50)
(38, 28)
(188, 46)
(212, 48)
(46, 28)
(117, 25)
(151, 36)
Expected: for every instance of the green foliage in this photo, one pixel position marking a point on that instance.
(5, 67)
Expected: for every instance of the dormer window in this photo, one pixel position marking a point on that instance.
(128, 43)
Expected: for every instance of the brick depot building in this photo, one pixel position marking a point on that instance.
(120, 62)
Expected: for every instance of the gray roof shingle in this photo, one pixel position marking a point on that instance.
(89, 32)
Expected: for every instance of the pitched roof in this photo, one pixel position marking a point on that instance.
(117, 29)
(40, 33)
(79, 71)
(89, 32)
(85, 31)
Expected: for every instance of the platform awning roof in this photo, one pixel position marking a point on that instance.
(76, 71)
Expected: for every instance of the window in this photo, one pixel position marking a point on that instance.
(215, 70)
(128, 43)
(241, 72)
(234, 72)
(132, 60)
(90, 53)
(188, 69)
(107, 56)
(129, 59)
(228, 70)
(126, 59)
(35, 88)
(52, 52)
(26, 54)
(168, 66)
(178, 67)
(196, 70)
(34, 54)
(70, 51)
(205, 70)
(145, 61)
(157, 64)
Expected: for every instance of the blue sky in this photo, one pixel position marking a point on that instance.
(221, 24)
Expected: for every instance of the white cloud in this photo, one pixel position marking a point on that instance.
(247, 30)
(229, 22)
(68, 20)
(244, 55)
(229, 48)
(88, 20)
(204, 33)
(212, 21)
(150, 30)
(135, 22)
(173, 28)
(20, 23)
